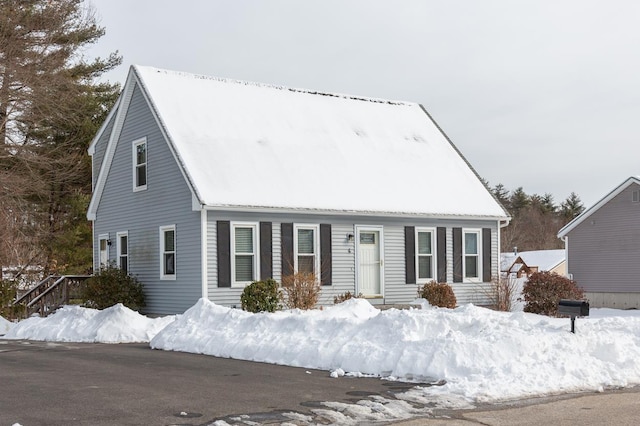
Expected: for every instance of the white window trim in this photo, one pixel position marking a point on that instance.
(434, 261)
(119, 235)
(163, 229)
(256, 255)
(316, 246)
(134, 164)
(102, 237)
(477, 279)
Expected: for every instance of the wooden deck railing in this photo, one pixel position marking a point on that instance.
(50, 294)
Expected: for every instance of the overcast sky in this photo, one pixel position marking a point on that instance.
(543, 94)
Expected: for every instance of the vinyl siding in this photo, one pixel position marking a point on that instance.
(343, 255)
(100, 149)
(166, 201)
(603, 252)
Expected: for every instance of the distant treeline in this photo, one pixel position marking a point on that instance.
(536, 219)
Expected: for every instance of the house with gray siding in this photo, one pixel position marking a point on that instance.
(202, 185)
(603, 248)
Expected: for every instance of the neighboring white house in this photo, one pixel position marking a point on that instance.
(603, 248)
(203, 185)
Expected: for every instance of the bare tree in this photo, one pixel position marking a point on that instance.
(50, 107)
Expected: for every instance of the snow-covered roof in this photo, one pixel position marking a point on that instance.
(248, 145)
(545, 260)
(585, 214)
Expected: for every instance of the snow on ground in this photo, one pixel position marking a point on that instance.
(482, 355)
(117, 324)
(4, 325)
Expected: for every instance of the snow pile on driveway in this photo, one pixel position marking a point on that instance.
(482, 355)
(473, 354)
(117, 324)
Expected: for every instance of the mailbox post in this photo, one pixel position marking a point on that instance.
(573, 308)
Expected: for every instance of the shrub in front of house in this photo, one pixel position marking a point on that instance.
(261, 296)
(543, 291)
(300, 290)
(438, 294)
(112, 285)
(8, 291)
(345, 296)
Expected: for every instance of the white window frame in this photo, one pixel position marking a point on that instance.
(135, 165)
(478, 278)
(105, 238)
(256, 255)
(316, 247)
(434, 262)
(163, 230)
(119, 236)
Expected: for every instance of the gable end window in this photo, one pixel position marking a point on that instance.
(635, 196)
(425, 254)
(123, 250)
(140, 164)
(244, 258)
(306, 248)
(471, 255)
(168, 252)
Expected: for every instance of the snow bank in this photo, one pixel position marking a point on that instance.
(117, 324)
(4, 325)
(483, 355)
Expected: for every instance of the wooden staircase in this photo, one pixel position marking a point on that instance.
(50, 294)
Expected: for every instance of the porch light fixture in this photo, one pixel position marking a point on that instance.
(350, 237)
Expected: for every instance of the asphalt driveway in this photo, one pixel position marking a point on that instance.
(130, 384)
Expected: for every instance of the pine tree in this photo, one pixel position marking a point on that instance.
(50, 108)
(571, 207)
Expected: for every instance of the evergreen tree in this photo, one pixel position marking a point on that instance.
(518, 200)
(571, 207)
(535, 219)
(50, 108)
(502, 195)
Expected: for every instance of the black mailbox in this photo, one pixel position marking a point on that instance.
(573, 308)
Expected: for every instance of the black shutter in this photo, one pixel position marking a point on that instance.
(457, 255)
(441, 251)
(486, 255)
(325, 254)
(266, 251)
(224, 253)
(410, 254)
(286, 233)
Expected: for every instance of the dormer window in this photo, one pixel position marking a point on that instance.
(140, 164)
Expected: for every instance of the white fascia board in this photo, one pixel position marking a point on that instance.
(290, 210)
(92, 146)
(455, 148)
(124, 100)
(167, 137)
(584, 215)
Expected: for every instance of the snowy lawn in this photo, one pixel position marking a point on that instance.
(483, 355)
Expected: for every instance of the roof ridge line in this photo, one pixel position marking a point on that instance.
(278, 87)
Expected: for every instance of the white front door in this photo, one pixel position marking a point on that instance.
(370, 261)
